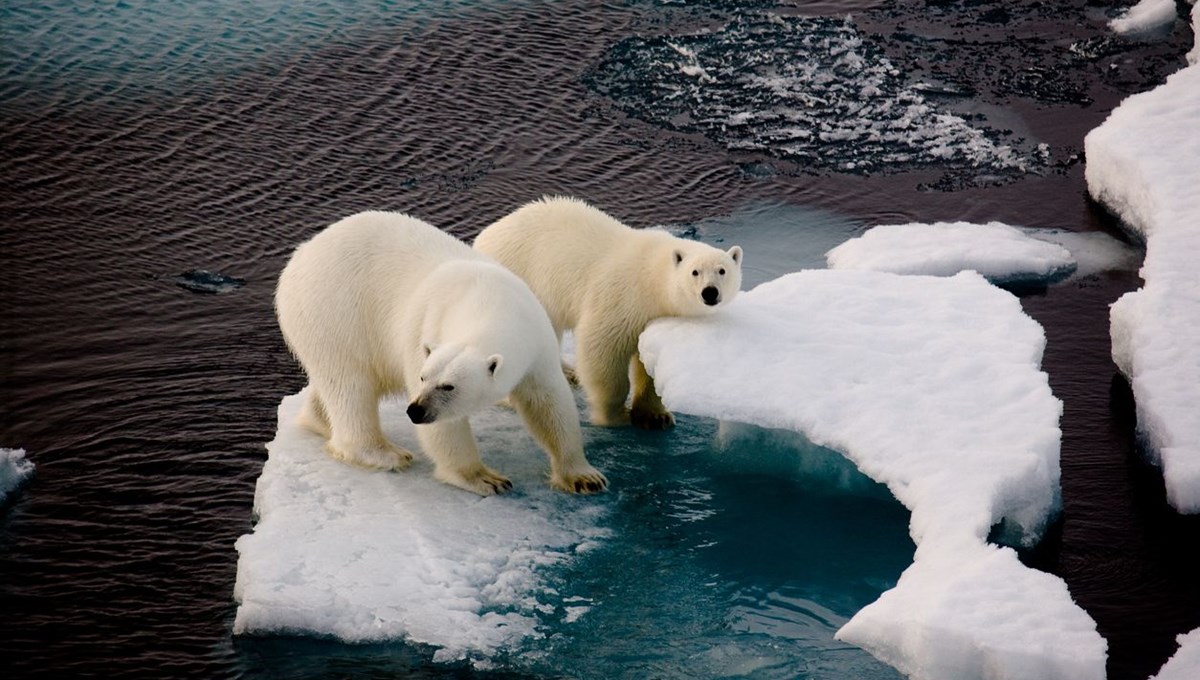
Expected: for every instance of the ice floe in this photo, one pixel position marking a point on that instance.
(363, 556)
(1001, 253)
(15, 470)
(1142, 164)
(932, 386)
(1185, 664)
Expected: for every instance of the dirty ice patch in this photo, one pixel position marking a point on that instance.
(366, 556)
(1142, 164)
(15, 470)
(1185, 663)
(1001, 253)
(932, 386)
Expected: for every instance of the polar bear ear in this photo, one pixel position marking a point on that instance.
(493, 363)
(678, 257)
(736, 253)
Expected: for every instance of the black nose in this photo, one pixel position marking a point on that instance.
(416, 413)
(711, 295)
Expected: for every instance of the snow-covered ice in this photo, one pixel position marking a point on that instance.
(1145, 17)
(1185, 663)
(15, 470)
(932, 386)
(1002, 253)
(1142, 164)
(364, 556)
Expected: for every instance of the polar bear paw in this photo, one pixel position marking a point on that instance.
(652, 419)
(385, 457)
(586, 481)
(481, 480)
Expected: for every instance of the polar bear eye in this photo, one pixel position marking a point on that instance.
(721, 271)
(446, 388)
(695, 272)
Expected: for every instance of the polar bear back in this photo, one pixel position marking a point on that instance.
(350, 280)
(564, 249)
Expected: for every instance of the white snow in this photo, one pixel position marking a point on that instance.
(368, 556)
(1143, 163)
(1000, 252)
(1185, 664)
(932, 386)
(15, 469)
(1144, 17)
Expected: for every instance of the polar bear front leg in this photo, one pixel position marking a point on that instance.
(602, 364)
(355, 438)
(451, 447)
(648, 411)
(549, 414)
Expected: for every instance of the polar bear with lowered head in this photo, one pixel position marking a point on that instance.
(382, 303)
(606, 282)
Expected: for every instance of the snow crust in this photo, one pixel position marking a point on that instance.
(15, 470)
(1142, 164)
(1000, 252)
(932, 386)
(365, 556)
(1185, 663)
(1145, 17)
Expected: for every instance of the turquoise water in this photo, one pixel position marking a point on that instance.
(738, 551)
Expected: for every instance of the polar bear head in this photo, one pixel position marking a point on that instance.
(456, 381)
(703, 277)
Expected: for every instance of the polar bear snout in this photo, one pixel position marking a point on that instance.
(711, 295)
(418, 414)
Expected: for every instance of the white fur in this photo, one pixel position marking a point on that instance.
(382, 303)
(607, 282)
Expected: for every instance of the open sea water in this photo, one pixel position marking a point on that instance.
(160, 160)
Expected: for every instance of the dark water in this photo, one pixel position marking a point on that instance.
(141, 143)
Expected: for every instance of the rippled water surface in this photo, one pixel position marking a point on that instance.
(159, 160)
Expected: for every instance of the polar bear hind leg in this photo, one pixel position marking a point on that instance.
(648, 411)
(312, 415)
(352, 412)
(603, 370)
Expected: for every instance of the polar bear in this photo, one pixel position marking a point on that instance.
(381, 303)
(607, 281)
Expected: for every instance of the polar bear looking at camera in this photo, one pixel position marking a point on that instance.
(606, 282)
(382, 303)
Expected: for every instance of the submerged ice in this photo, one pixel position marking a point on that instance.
(807, 89)
(1002, 253)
